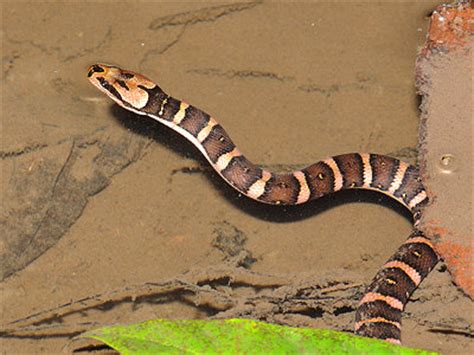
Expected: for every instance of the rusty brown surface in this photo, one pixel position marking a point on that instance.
(451, 27)
(444, 79)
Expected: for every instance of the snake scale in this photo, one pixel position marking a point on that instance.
(380, 309)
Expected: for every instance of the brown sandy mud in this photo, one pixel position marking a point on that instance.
(109, 218)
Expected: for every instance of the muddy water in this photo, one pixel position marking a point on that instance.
(96, 199)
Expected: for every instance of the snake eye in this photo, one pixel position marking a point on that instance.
(104, 83)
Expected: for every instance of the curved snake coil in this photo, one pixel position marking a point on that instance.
(380, 309)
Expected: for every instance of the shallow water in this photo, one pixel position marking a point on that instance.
(97, 198)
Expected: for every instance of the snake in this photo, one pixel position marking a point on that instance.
(379, 311)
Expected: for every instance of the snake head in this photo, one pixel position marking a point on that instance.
(128, 89)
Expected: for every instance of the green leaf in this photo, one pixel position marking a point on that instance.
(236, 336)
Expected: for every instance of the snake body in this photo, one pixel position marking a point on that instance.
(380, 309)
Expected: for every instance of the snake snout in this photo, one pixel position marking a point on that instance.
(96, 68)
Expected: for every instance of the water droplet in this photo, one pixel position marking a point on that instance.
(447, 163)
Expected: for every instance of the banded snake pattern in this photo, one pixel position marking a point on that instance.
(380, 309)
